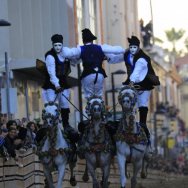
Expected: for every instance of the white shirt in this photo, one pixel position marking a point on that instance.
(50, 64)
(140, 70)
(74, 54)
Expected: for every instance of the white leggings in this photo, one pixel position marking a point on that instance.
(143, 98)
(50, 95)
(93, 89)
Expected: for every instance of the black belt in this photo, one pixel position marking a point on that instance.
(96, 77)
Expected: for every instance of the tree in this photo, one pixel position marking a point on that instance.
(173, 36)
(186, 43)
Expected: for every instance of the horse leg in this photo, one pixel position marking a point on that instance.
(48, 175)
(72, 165)
(61, 173)
(121, 163)
(91, 168)
(143, 173)
(106, 173)
(145, 163)
(136, 167)
(85, 177)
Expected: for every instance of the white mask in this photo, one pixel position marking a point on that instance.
(57, 47)
(133, 49)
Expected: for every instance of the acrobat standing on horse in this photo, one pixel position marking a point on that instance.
(131, 141)
(92, 56)
(139, 69)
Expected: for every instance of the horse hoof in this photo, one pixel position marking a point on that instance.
(73, 181)
(85, 178)
(102, 184)
(143, 175)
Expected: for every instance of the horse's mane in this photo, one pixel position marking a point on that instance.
(123, 92)
(94, 98)
(126, 87)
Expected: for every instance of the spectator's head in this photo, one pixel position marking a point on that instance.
(24, 122)
(19, 123)
(12, 132)
(57, 43)
(3, 132)
(87, 36)
(31, 125)
(141, 22)
(11, 124)
(134, 44)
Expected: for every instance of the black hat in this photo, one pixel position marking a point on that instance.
(133, 41)
(57, 38)
(87, 36)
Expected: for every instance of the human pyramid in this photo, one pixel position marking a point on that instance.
(58, 59)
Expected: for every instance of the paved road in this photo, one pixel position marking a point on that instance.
(180, 182)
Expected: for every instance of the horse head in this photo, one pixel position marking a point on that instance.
(96, 107)
(50, 114)
(127, 98)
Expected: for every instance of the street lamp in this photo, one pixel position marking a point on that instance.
(2, 24)
(118, 72)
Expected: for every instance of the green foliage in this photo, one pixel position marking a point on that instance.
(158, 40)
(186, 43)
(173, 36)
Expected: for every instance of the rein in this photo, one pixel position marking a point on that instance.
(74, 106)
(70, 103)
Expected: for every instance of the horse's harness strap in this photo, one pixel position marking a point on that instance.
(133, 147)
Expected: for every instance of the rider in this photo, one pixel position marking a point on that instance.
(58, 68)
(138, 66)
(92, 56)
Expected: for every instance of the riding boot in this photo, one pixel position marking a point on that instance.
(65, 117)
(72, 133)
(143, 111)
(146, 130)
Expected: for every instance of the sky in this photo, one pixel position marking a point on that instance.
(166, 14)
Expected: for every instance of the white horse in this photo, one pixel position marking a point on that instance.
(54, 149)
(96, 144)
(131, 141)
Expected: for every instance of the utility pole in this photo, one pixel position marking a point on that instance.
(2, 24)
(7, 86)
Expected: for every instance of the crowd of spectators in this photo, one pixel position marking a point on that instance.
(177, 166)
(17, 137)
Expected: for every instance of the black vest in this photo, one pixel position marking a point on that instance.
(62, 69)
(145, 84)
(92, 57)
